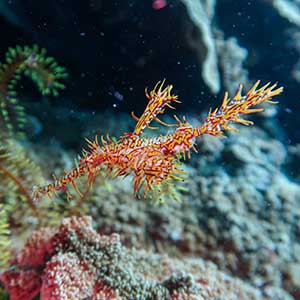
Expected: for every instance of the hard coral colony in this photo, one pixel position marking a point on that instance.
(154, 162)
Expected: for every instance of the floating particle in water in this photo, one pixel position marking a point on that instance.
(159, 4)
(116, 94)
(288, 110)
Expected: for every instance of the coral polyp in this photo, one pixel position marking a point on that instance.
(154, 162)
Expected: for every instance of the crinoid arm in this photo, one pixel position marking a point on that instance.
(4, 238)
(158, 98)
(231, 110)
(32, 62)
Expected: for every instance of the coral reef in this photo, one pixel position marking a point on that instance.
(240, 206)
(231, 59)
(75, 262)
(237, 211)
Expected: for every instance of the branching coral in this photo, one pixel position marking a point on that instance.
(154, 162)
(32, 62)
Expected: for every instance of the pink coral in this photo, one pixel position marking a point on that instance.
(74, 262)
(36, 249)
(22, 285)
(103, 292)
(65, 277)
(177, 296)
(26, 281)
